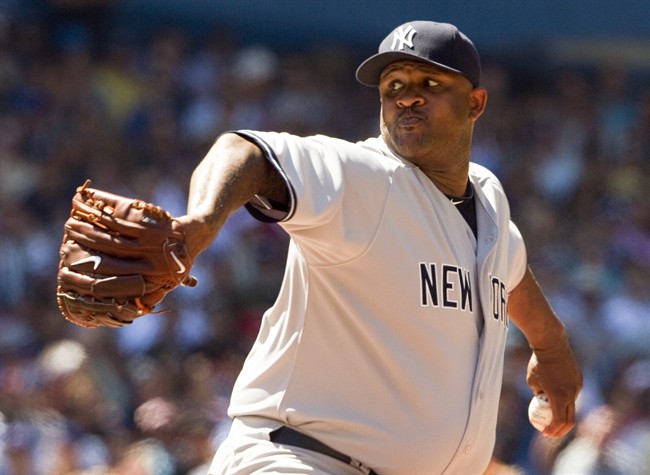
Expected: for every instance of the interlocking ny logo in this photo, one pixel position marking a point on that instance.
(402, 37)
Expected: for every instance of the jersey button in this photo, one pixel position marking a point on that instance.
(467, 449)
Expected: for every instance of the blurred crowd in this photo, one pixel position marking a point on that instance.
(571, 145)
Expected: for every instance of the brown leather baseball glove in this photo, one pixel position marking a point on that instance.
(119, 258)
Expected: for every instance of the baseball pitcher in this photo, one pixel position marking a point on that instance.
(383, 352)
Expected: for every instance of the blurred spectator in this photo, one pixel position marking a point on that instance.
(625, 312)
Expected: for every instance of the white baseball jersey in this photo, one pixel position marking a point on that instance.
(387, 339)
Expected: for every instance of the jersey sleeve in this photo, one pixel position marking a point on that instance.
(328, 179)
(261, 207)
(517, 257)
(313, 174)
(338, 191)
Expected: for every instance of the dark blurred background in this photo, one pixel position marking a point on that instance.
(133, 93)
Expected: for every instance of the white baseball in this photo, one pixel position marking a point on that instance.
(539, 412)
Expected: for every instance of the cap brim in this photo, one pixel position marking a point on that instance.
(369, 71)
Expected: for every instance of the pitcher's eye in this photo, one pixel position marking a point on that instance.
(395, 86)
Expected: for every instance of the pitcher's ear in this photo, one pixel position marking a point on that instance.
(478, 101)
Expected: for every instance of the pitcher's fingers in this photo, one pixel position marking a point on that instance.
(563, 418)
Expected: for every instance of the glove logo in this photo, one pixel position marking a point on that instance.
(178, 262)
(95, 260)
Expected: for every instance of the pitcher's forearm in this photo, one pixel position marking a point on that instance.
(531, 312)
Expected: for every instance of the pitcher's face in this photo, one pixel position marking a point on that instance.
(427, 112)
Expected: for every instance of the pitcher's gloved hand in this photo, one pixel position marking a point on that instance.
(119, 258)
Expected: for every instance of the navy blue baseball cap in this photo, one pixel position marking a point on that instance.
(440, 44)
